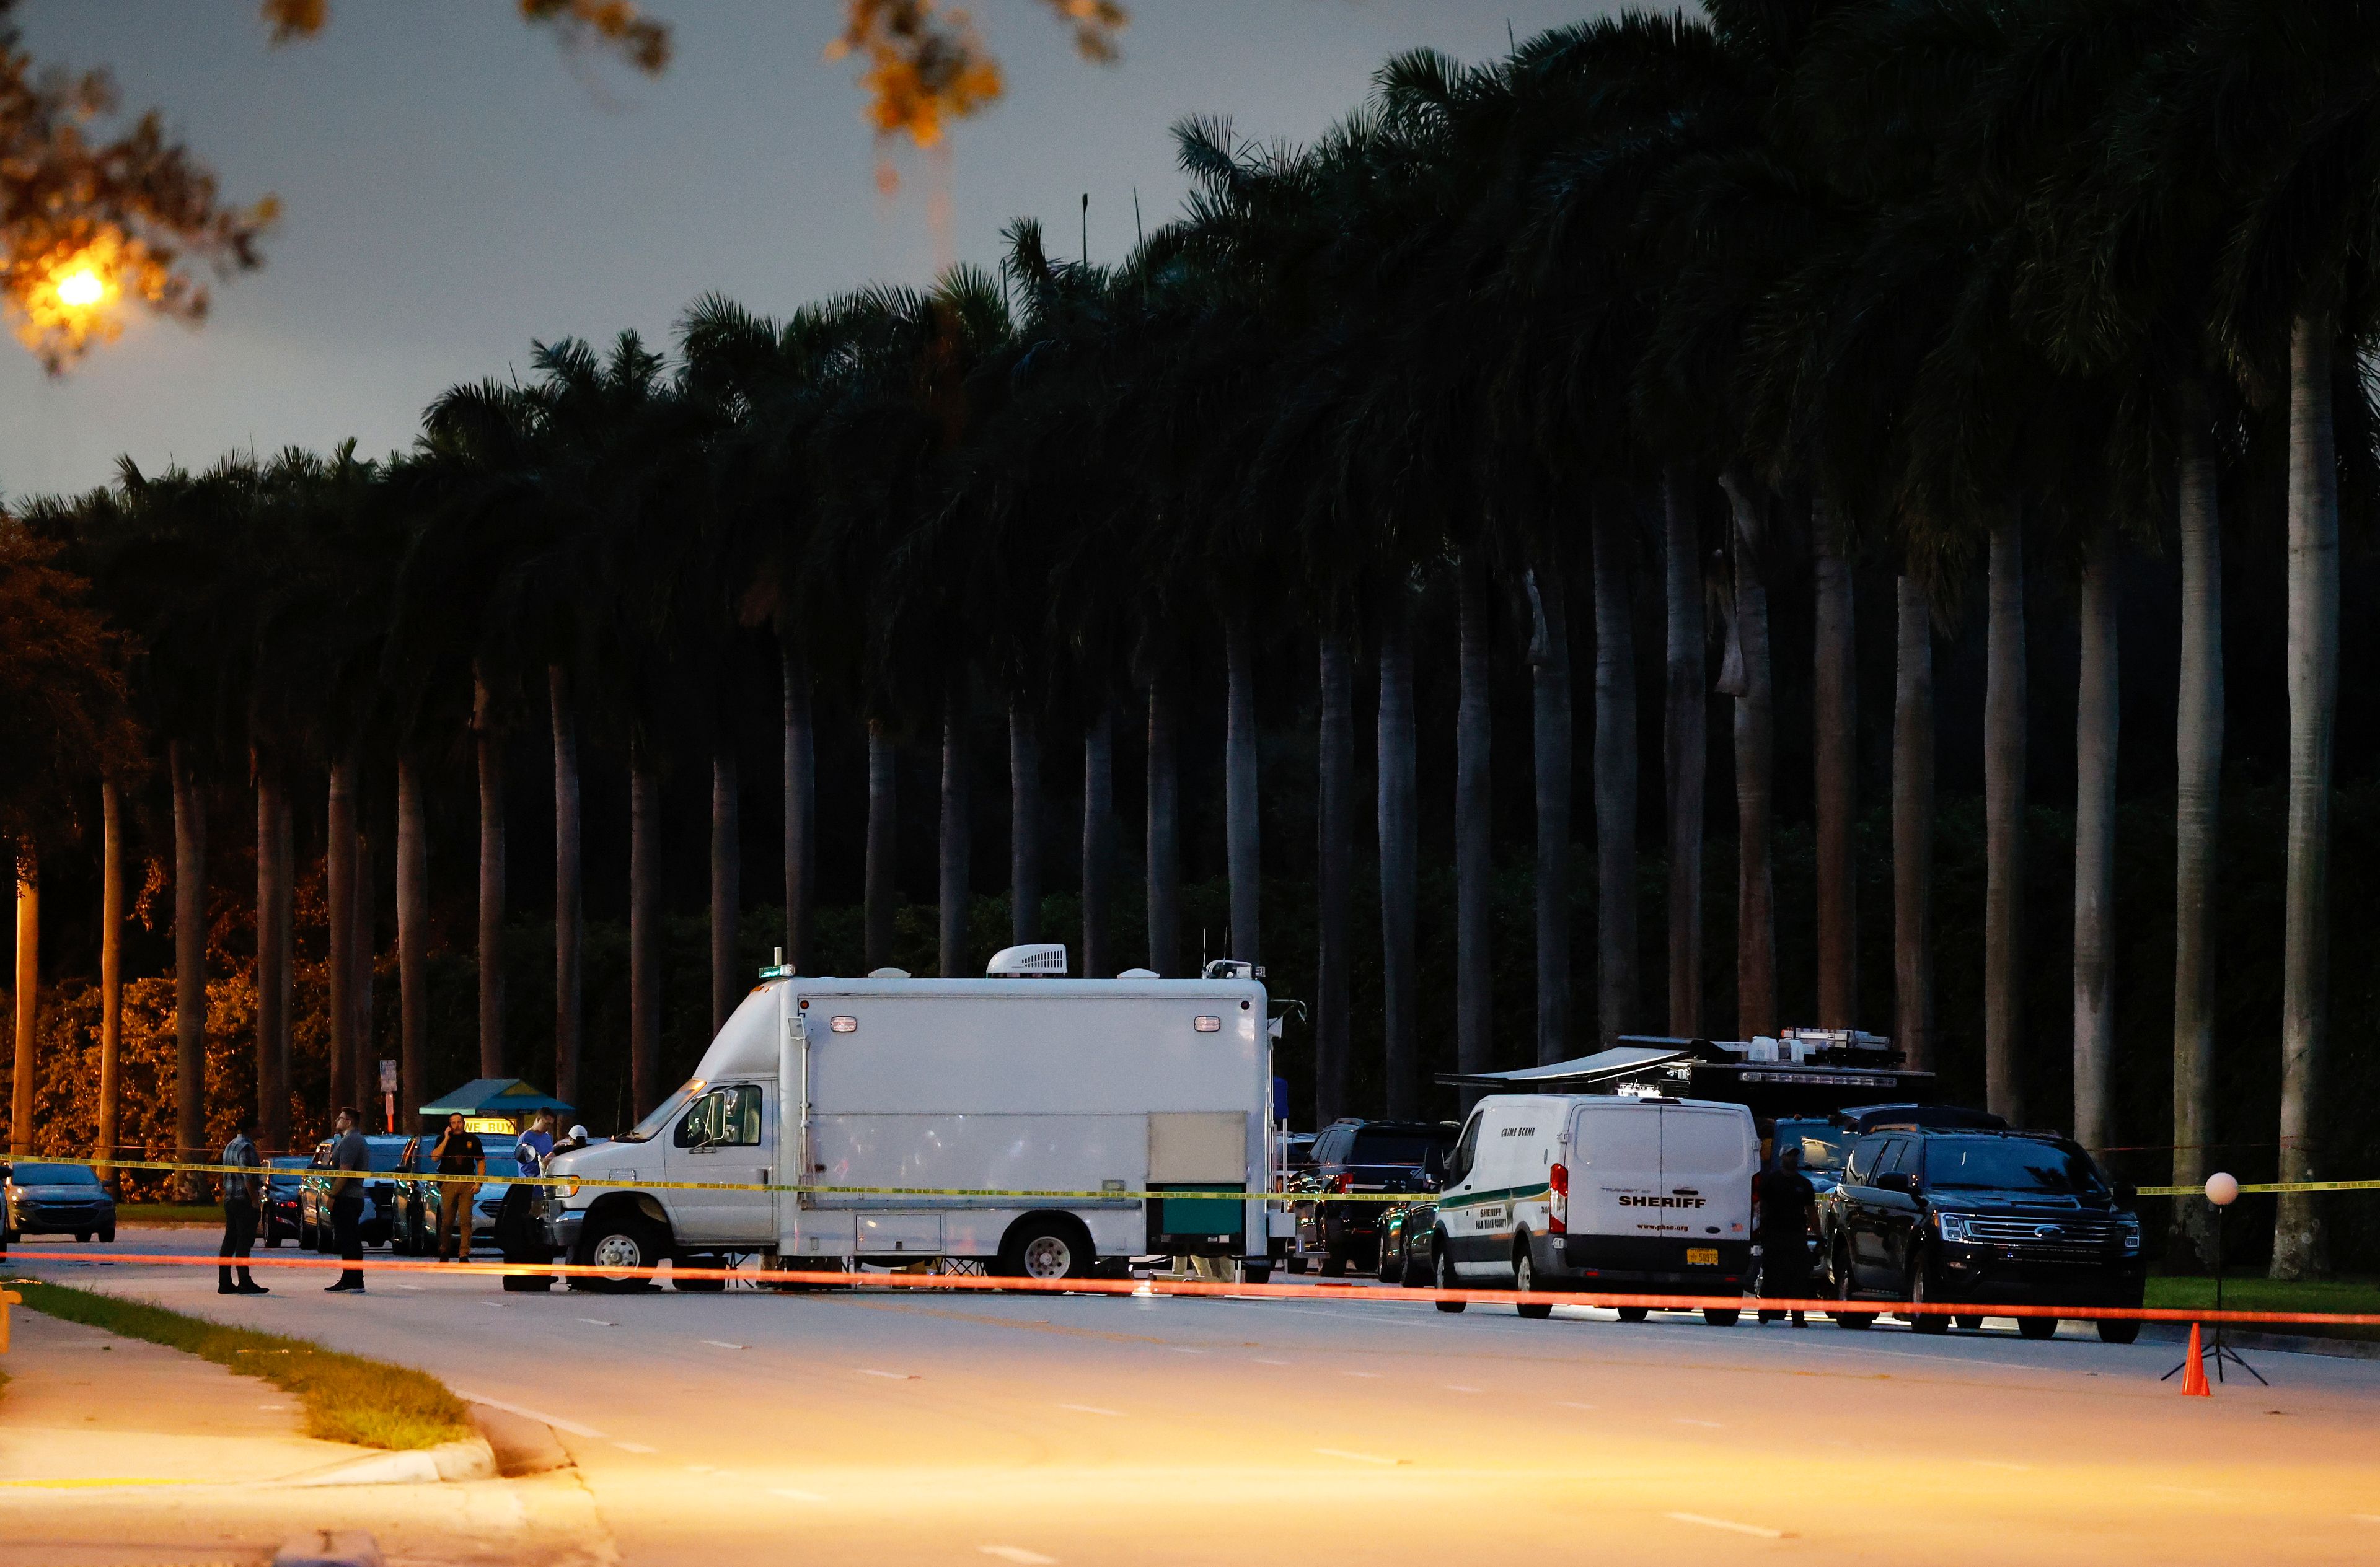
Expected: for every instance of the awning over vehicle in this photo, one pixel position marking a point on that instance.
(1581, 1074)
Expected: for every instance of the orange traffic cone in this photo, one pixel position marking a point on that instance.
(2193, 1370)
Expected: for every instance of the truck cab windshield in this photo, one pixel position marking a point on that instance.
(663, 1112)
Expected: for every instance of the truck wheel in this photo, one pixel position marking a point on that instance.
(1720, 1316)
(1524, 1282)
(1634, 1313)
(1334, 1264)
(1442, 1268)
(1973, 1323)
(83, 1237)
(2037, 1327)
(627, 1241)
(107, 1235)
(1927, 1322)
(2119, 1329)
(1421, 1270)
(1256, 1273)
(1851, 1320)
(1297, 1264)
(1046, 1248)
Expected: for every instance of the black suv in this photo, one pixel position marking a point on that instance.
(1352, 1156)
(1988, 1216)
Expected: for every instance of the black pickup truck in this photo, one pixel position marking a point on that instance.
(2025, 1218)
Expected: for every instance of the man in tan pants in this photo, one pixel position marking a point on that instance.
(458, 1154)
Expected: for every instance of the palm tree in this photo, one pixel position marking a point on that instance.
(1024, 825)
(2095, 714)
(1098, 837)
(569, 889)
(1473, 798)
(2004, 809)
(1913, 824)
(1334, 875)
(339, 892)
(488, 750)
(1755, 885)
(1164, 832)
(28, 988)
(1685, 749)
(111, 968)
(1834, 721)
(1550, 740)
(1242, 845)
(1399, 852)
(1615, 775)
(955, 852)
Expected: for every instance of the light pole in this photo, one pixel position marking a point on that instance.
(2222, 1190)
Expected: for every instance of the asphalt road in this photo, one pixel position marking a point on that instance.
(876, 1426)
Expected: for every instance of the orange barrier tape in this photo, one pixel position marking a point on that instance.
(800, 1280)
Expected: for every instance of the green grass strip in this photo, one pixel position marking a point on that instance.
(346, 1397)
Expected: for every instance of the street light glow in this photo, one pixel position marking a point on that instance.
(81, 288)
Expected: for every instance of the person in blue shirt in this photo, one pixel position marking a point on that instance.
(536, 1144)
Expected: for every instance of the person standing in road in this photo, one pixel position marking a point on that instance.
(350, 1156)
(1786, 1217)
(458, 1152)
(243, 1196)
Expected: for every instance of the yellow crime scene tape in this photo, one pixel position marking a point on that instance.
(571, 1184)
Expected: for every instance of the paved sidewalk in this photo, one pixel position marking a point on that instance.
(116, 1453)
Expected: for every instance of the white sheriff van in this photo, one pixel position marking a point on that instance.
(1629, 1194)
(1018, 1081)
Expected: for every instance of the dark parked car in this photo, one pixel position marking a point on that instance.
(1947, 1216)
(315, 1229)
(56, 1200)
(1825, 1139)
(1405, 1243)
(1366, 1156)
(282, 1199)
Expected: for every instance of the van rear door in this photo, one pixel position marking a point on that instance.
(1706, 1160)
(1615, 1164)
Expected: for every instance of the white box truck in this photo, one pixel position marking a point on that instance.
(1627, 1194)
(931, 1090)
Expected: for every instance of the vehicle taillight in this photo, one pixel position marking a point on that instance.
(1343, 1181)
(1557, 1210)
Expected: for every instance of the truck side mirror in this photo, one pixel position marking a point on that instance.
(1900, 1181)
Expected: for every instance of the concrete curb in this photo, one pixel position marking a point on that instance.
(2270, 1344)
(523, 1445)
(470, 1459)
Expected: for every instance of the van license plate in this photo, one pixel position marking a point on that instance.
(1702, 1257)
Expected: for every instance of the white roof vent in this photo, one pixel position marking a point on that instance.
(1138, 975)
(888, 973)
(1042, 960)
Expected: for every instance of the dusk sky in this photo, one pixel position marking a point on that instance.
(454, 186)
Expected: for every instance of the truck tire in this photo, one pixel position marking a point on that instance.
(1256, 1273)
(1971, 1321)
(2037, 1327)
(1524, 1283)
(1927, 1322)
(625, 1239)
(1633, 1313)
(1720, 1316)
(1046, 1248)
(1442, 1270)
(2119, 1329)
(1855, 1320)
(1393, 1263)
(107, 1235)
(1334, 1264)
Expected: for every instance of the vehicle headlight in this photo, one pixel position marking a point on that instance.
(1952, 1225)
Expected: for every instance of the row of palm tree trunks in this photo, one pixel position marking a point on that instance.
(1698, 317)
